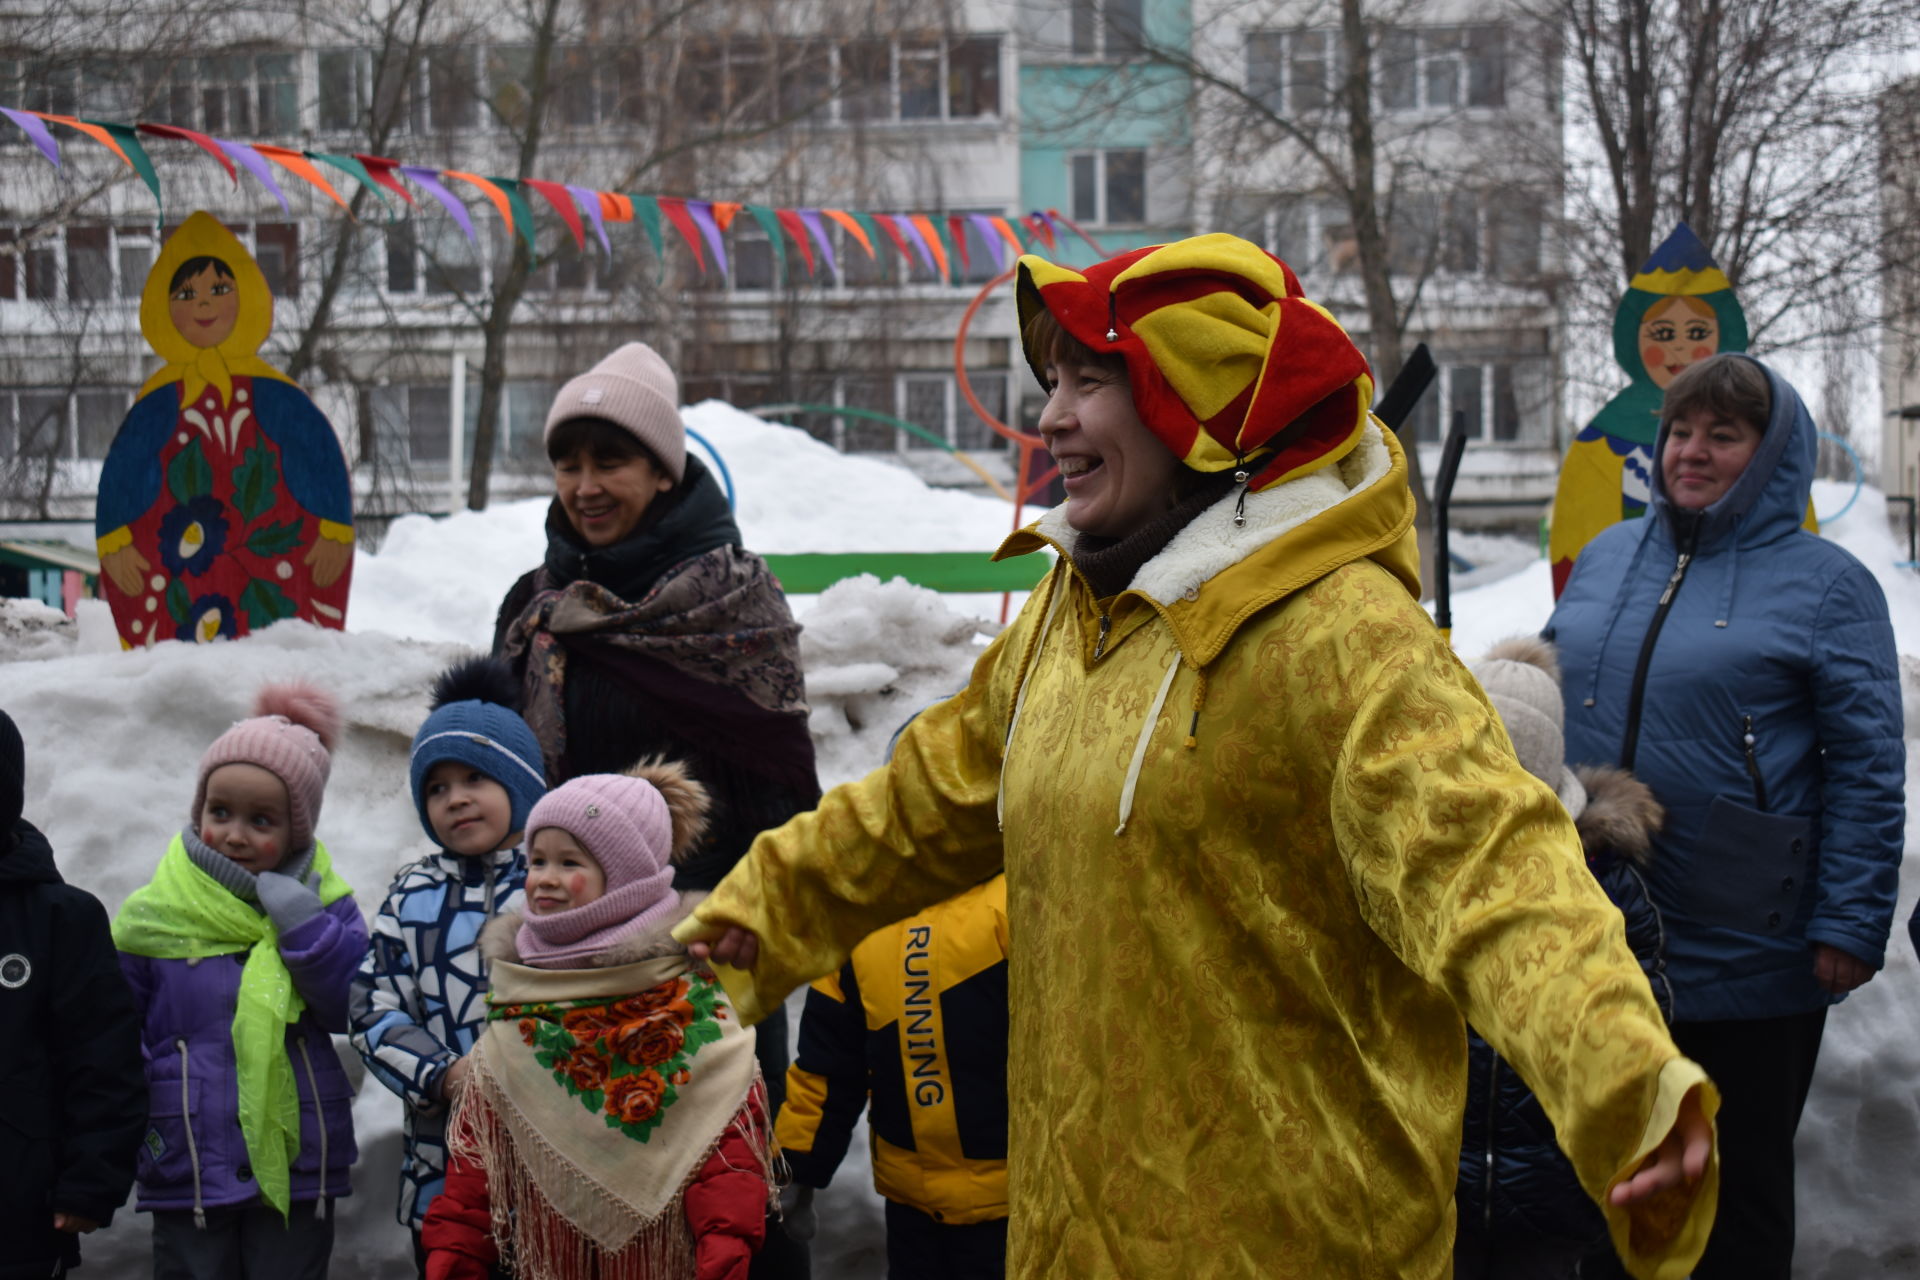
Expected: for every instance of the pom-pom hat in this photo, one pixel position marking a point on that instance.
(291, 735)
(636, 825)
(1228, 361)
(476, 721)
(635, 390)
(1521, 678)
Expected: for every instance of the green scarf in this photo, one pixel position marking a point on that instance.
(184, 913)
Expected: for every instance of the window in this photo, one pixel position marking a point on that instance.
(1112, 29)
(914, 79)
(40, 425)
(1109, 188)
(276, 248)
(919, 80)
(866, 80)
(227, 93)
(1297, 72)
(97, 418)
(448, 96)
(973, 78)
(859, 433)
(346, 89)
(1513, 235)
(429, 423)
(1508, 402)
(85, 264)
(134, 251)
(89, 264)
(431, 254)
(1413, 234)
(1440, 68)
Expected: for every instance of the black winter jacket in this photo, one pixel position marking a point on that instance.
(1514, 1182)
(73, 1096)
(610, 724)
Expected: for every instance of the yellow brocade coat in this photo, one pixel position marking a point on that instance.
(1265, 844)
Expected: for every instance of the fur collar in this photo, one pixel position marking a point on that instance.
(1621, 816)
(1212, 542)
(499, 940)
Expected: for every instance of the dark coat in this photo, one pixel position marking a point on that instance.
(610, 722)
(1514, 1182)
(73, 1100)
(1770, 727)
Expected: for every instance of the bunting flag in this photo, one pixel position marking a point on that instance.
(429, 181)
(701, 211)
(256, 164)
(36, 129)
(937, 241)
(562, 201)
(771, 226)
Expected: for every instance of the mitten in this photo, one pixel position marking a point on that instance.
(288, 902)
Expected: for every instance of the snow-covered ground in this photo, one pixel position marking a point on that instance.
(113, 737)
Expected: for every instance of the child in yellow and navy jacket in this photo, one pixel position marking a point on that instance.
(913, 1029)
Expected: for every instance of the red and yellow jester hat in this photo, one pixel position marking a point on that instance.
(1227, 360)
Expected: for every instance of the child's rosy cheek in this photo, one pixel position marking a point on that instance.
(576, 884)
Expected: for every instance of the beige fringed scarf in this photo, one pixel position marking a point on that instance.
(594, 1096)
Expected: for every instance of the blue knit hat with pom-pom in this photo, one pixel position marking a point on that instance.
(476, 721)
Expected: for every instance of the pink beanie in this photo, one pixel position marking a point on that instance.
(635, 825)
(291, 736)
(635, 390)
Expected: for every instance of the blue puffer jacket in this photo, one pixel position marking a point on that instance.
(1771, 727)
(1515, 1184)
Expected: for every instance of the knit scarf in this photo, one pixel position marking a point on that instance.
(712, 645)
(595, 1096)
(184, 914)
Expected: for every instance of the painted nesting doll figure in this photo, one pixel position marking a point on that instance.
(1678, 310)
(224, 501)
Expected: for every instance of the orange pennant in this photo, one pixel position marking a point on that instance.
(296, 162)
(925, 224)
(93, 131)
(853, 228)
(491, 192)
(724, 211)
(615, 207)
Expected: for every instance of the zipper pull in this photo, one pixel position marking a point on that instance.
(1100, 644)
(1679, 572)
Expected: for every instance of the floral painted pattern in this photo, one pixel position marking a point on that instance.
(623, 1059)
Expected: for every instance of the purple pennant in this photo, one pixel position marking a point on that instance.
(912, 230)
(702, 211)
(983, 223)
(36, 128)
(814, 224)
(429, 180)
(256, 164)
(589, 202)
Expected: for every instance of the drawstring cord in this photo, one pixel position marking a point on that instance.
(1240, 477)
(1113, 319)
(1199, 700)
(1140, 746)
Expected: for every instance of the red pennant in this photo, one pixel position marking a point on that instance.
(380, 169)
(797, 230)
(1042, 228)
(562, 201)
(676, 211)
(892, 229)
(957, 226)
(199, 140)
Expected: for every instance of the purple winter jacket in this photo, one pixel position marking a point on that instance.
(194, 1155)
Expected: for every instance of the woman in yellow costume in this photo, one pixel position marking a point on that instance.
(1678, 310)
(224, 502)
(1265, 840)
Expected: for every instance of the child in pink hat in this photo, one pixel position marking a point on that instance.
(614, 1122)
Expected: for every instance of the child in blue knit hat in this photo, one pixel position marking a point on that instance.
(420, 998)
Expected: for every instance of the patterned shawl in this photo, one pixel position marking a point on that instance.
(595, 1096)
(712, 646)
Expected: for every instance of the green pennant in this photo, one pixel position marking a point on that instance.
(882, 245)
(522, 212)
(647, 209)
(142, 164)
(352, 167)
(775, 237)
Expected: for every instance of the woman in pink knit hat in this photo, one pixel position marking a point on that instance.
(614, 1124)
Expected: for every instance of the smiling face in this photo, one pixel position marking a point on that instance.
(1676, 334)
(247, 816)
(560, 874)
(1117, 473)
(470, 812)
(605, 495)
(203, 307)
(1704, 454)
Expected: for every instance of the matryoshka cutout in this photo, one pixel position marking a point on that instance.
(1678, 310)
(225, 502)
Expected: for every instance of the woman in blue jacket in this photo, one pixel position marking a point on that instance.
(1745, 670)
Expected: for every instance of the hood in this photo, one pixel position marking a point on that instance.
(1681, 266)
(1770, 498)
(26, 857)
(499, 940)
(1214, 574)
(688, 521)
(1621, 817)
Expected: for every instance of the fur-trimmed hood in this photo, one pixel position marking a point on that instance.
(499, 940)
(1621, 816)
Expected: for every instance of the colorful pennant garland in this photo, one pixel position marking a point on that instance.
(940, 242)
